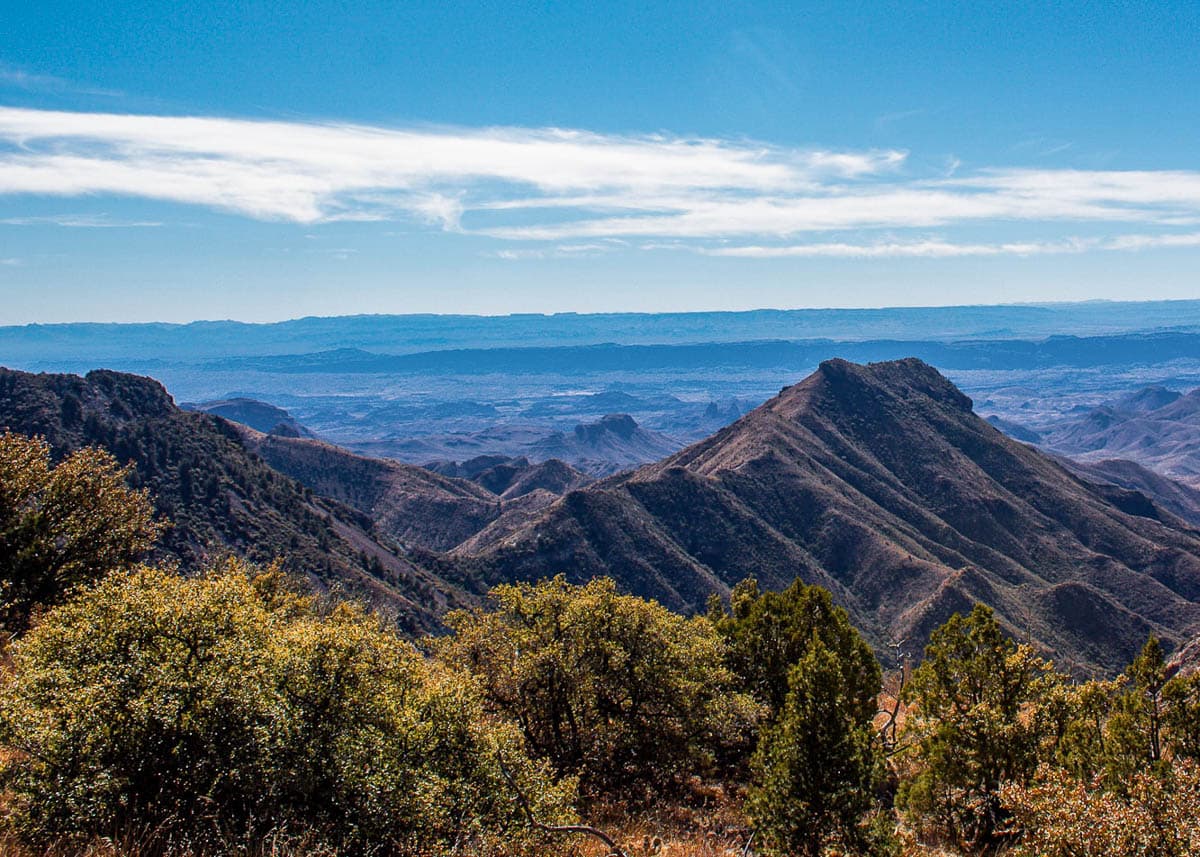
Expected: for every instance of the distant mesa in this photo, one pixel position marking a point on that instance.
(260, 416)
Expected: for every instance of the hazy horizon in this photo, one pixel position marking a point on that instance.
(568, 313)
(175, 162)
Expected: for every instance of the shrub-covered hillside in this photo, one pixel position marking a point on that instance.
(219, 496)
(233, 711)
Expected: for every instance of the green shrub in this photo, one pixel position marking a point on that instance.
(64, 525)
(979, 722)
(227, 706)
(813, 769)
(615, 689)
(767, 633)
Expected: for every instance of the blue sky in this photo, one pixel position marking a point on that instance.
(167, 161)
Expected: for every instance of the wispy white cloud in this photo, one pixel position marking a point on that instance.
(79, 221)
(310, 172)
(560, 251)
(10, 262)
(940, 249)
(19, 78)
(557, 189)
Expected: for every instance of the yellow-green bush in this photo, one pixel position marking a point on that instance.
(63, 525)
(227, 706)
(1060, 816)
(615, 689)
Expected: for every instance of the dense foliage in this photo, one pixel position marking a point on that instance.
(797, 653)
(1004, 749)
(814, 765)
(62, 525)
(767, 633)
(1061, 816)
(227, 705)
(978, 724)
(615, 689)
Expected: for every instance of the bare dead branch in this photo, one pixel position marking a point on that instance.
(749, 842)
(887, 732)
(579, 829)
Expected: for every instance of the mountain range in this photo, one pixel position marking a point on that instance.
(1156, 427)
(878, 482)
(219, 495)
(613, 443)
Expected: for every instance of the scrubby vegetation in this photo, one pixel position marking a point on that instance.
(232, 711)
(616, 690)
(227, 706)
(63, 525)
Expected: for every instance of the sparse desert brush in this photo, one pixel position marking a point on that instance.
(1059, 816)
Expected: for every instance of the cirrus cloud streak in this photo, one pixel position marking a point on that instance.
(559, 185)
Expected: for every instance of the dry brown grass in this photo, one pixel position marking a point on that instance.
(704, 821)
(642, 837)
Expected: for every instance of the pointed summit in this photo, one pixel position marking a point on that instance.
(879, 482)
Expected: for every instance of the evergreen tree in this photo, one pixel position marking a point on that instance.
(813, 767)
(1135, 729)
(767, 633)
(979, 723)
(1182, 719)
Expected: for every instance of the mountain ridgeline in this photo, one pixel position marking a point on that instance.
(881, 484)
(219, 496)
(877, 482)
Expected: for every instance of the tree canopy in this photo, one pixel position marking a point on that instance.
(62, 525)
(228, 705)
(615, 689)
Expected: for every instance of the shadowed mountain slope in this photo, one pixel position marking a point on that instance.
(219, 495)
(418, 506)
(411, 504)
(1137, 485)
(510, 478)
(880, 483)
